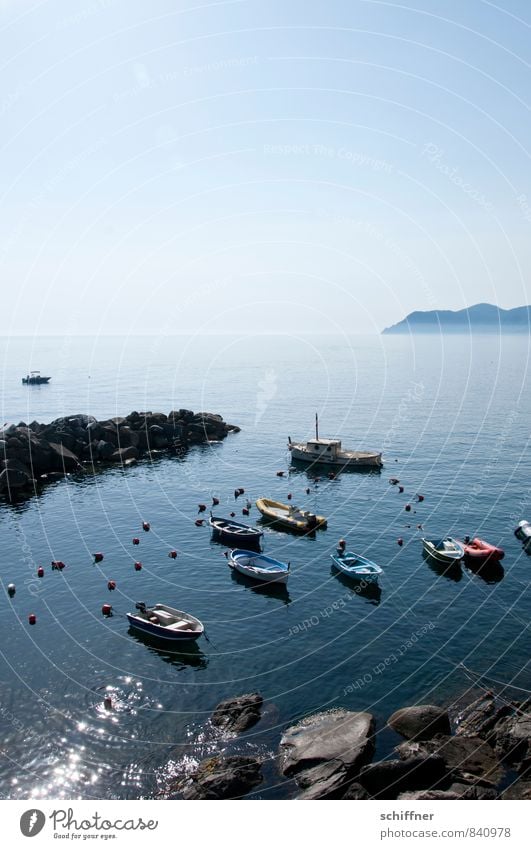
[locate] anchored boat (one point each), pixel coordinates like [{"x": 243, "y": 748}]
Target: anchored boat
[
  {"x": 330, "y": 453},
  {"x": 165, "y": 622},
  {"x": 234, "y": 533},
  {"x": 480, "y": 551},
  {"x": 447, "y": 550},
  {"x": 290, "y": 517},
  {"x": 35, "y": 377},
  {"x": 259, "y": 566},
  {"x": 356, "y": 566}
]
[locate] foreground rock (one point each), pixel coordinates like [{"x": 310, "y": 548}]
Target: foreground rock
[
  {"x": 326, "y": 751},
  {"x": 238, "y": 714},
  {"x": 420, "y": 722},
  {"x": 223, "y": 778},
  {"x": 467, "y": 759},
  {"x": 387, "y": 779},
  {"x": 31, "y": 453}
]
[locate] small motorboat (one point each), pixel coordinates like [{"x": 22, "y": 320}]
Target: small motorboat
[
  {"x": 234, "y": 533},
  {"x": 35, "y": 378},
  {"x": 480, "y": 551},
  {"x": 447, "y": 550},
  {"x": 523, "y": 533},
  {"x": 290, "y": 517},
  {"x": 165, "y": 622},
  {"x": 356, "y": 566},
  {"x": 258, "y": 566}
]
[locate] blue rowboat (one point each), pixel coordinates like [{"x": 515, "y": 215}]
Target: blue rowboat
[
  {"x": 165, "y": 622},
  {"x": 258, "y": 566},
  {"x": 357, "y": 566}
]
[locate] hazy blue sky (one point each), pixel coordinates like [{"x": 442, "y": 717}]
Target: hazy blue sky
[{"x": 266, "y": 164}]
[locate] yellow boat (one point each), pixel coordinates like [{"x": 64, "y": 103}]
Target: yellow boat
[{"x": 289, "y": 516}]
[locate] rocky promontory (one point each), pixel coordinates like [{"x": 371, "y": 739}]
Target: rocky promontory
[
  {"x": 34, "y": 453},
  {"x": 482, "y": 752}
]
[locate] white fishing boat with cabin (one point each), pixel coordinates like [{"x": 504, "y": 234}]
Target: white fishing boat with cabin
[{"x": 331, "y": 453}]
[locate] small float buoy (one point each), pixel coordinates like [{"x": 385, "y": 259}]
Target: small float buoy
[
  {"x": 107, "y": 703},
  {"x": 245, "y": 511},
  {"x": 215, "y": 501},
  {"x": 199, "y": 522},
  {"x": 58, "y": 564},
  {"x": 289, "y": 496},
  {"x": 280, "y": 474},
  {"x": 241, "y": 490},
  {"x": 248, "y": 504},
  {"x": 420, "y": 498},
  {"x": 236, "y": 493},
  {"x": 393, "y": 481},
  {"x": 401, "y": 489},
  {"x": 400, "y": 541},
  {"x": 106, "y": 609},
  {"x": 136, "y": 541},
  {"x": 201, "y": 508},
  {"x": 32, "y": 619},
  {"x": 331, "y": 476},
  {"x": 342, "y": 544},
  {"x": 40, "y": 572},
  {"x": 407, "y": 508},
  {"x": 308, "y": 490},
  {"x": 98, "y": 557},
  {"x": 111, "y": 585},
  {"x": 419, "y": 527},
  {"x": 146, "y": 526},
  {"x": 11, "y": 590},
  {"x": 232, "y": 515},
  {"x": 138, "y": 565},
  {"x": 172, "y": 554}
]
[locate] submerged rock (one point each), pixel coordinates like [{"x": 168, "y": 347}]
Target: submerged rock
[
  {"x": 420, "y": 722},
  {"x": 223, "y": 778},
  {"x": 238, "y": 714}
]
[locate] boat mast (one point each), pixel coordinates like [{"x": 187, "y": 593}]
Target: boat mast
[{"x": 316, "y": 426}]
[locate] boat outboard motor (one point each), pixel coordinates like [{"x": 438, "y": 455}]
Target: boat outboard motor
[
  {"x": 312, "y": 521},
  {"x": 523, "y": 531},
  {"x": 141, "y": 606}
]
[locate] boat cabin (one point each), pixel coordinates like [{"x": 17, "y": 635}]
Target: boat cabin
[{"x": 325, "y": 449}]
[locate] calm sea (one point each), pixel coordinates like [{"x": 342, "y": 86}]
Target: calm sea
[{"x": 453, "y": 417}]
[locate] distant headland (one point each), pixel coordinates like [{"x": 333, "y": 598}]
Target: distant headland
[{"x": 480, "y": 317}]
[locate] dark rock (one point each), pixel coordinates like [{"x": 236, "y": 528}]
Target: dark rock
[
  {"x": 62, "y": 459},
  {"x": 518, "y": 790},
  {"x": 461, "y": 755},
  {"x": 420, "y": 722},
  {"x": 356, "y": 791},
  {"x": 327, "y": 750},
  {"x": 223, "y": 778},
  {"x": 513, "y": 739},
  {"x": 473, "y": 791},
  {"x": 239, "y": 713},
  {"x": 13, "y": 478},
  {"x": 123, "y": 454},
  {"x": 386, "y": 779},
  {"x": 105, "y": 450}
]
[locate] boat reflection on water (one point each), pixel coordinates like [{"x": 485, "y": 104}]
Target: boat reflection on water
[
  {"x": 452, "y": 571},
  {"x": 371, "y": 591},
  {"x": 490, "y": 572},
  {"x": 272, "y": 590},
  {"x": 182, "y": 656}
]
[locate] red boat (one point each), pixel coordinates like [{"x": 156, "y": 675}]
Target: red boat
[{"x": 478, "y": 550}]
